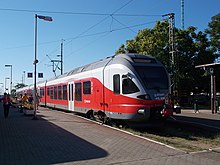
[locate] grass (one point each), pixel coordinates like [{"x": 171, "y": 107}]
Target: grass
[{"x": 185, "y": 138}]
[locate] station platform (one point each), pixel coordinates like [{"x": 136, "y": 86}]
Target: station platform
[
  {"x": 64, "y": 138},
  {"x": 203, "y": 118}
]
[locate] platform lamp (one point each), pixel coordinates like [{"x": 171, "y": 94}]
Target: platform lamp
[
  {"x": 11, "y": 77},
  {"x": 46, "y": 18}
]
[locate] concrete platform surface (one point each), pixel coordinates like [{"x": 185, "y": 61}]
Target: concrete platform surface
[{"x": 63, "y": 138}]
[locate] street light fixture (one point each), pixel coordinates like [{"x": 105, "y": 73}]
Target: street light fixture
[
  {"x": 46, "y": 18},
  {"x": 11, "y": 76}
]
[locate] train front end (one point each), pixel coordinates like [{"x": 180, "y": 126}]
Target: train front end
[
  {"x": 155, "y": 81},
  {"x": 145, "y": 89}
]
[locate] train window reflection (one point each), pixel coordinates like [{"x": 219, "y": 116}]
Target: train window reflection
[
  {"x": 60, "y": 92},
  {"x": 41, "y": 91},
  {"x": 64, "y": 92},
  {"x": 87, "y": 87},
  {"x": 128, "y": 86},
  {"x": 153, "y": 77},
  {"x": 55, "y": 93},
  {"x": 78, "y": 91},
  {"x": 51, "y": 92},
  {"x": 116, "y": 84}
]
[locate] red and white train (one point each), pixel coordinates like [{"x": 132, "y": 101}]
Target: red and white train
[{"x": 126, "y": 87}]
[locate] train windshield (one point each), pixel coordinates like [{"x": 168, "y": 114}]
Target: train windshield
[{"x": 153, "y": 77}]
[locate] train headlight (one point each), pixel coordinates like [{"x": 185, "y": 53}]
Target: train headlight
[{"x": 141, "y": 111}]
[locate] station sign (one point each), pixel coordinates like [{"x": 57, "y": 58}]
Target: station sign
[{"x": 30, "y": 75}]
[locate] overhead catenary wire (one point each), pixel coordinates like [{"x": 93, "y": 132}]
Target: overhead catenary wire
[
  {"x": 85, "y": 32},
  {"x": 124, "y": 25},
  {"x": 96, "y": 24},
  {"x": 78, "y": 13},
  {"x": 119, "y": 27},
  {"x": 105, "y": 33},
  {"x": 82, "y": 36}
]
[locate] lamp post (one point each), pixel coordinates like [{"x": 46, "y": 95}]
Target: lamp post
[
  {"x": 11, "y": 77},
  {"x": 2, "y": 87},
  {"x": 23, "y": 78},
  {"x": 6, "y": 78},
  {"x": 46, "y": 18}
]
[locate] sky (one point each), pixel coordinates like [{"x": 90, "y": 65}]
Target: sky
[{"x": 89, "y": 29}]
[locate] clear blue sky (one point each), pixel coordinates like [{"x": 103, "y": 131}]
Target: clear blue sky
[{"x": 84, "y": 42}]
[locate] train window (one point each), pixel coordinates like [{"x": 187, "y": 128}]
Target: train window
[
  {"x": 128, "y": 86},
  {"x": 48, "y": 91},
  {"x": 60, "y": 92},
  {"x": 144, "y": 60},
  {"x": 153, "y": 77},
  {"x": 55, "y": 93},
  {"x": 78, "y": 91},
  {"x": 51, "y": 92},
  {"x": 64, "y": 92},
  {"x": 87, "y": 87},
  {"x": 116, "y": 84},
  {"x": 41, "y": 91}
]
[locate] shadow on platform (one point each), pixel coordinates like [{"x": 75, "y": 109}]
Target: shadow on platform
[{"x": 27, "y": 141}]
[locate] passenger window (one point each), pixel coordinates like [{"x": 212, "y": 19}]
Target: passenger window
[
  {"x": 116, "y": 84},
  {"x": 51, "y": 92},
  {"x": 60, "y": 92},
  {"x": 55, "y": 93},
  {"x": 64, "y": 92},
  {"x": 87, "y": 87},
  {"x": 41, "y": 91},
  {"x": 128, "y": 86},
  {"x": 78, "y": 91},
  {"x": 48, "y": 91}
]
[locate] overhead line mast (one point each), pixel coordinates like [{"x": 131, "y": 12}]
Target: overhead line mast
[
  {"x": 182, "y": 14},
  {"x": 172, "y": 51}
]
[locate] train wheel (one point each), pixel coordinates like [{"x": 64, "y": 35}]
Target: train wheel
[{"x": 90, "y": 115}]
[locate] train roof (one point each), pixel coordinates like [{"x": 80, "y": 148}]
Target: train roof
[{"x": 103, "y": 62}]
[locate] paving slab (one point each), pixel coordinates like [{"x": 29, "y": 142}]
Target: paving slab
[{"x": 64, "y": 138}]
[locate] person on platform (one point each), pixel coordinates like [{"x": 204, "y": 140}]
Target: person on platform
[
  {"x": 30, "y": 99},
  {"x": 6, "y": 104},
  {"x": 37, "y": 100},
  {"x": 24, "y": 99}
]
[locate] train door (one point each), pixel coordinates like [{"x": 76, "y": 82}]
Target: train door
[
  {"x": 70, "y": 96},
  {"x": 106, "y": 93}
]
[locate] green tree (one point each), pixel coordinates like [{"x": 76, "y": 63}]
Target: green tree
[
  {"x": 20, "y": 85},
  {"x": 192, "y": 48},
  {"x": 213, "y": 31},
  {"x": 150, "y": 42},
  {"x": 121, "y": 49},
  {"x": 17, "y": 86}
]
